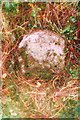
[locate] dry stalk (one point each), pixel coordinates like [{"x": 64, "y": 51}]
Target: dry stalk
[
  {"x": 36, "y": 93},
  {"x": 57, "y": 7},
  {"x": 23, "y": 92},
  {"x": 4, "y": 23},
  {"x": 65, "y": 91},
  {"x": 36, "y": 102},
  {"x": 47, "y": 11},
  {"x": 59, "y": 110},
  {"x": 3, "y": 59},
  {"x": 56, "y": 27},
  {"x": 54, "y": 81},
  {"x": 10, "y": 32},
  {"x": 54, "y": 11},
  {"x": 21, "y": 27},
  {"x": 4, "y": 52}
]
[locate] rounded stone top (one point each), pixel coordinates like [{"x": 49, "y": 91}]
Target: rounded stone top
[{"x": 42, "y": 49}]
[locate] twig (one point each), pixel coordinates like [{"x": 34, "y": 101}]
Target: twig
[
  {"x": 36, "y": 93},
  {"x": 54, "y": 81},
  {"x": 9, "y": 32},
  {"x": 21, "y": 27},
  {"x": 3, "y": 59},
  {"x": 36, "y": 102},
  {"x": 58, "y": 111},
  {"x": 54, "y": 11}
]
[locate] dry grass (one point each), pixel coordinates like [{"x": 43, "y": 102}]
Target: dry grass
[
  {"x": 41, "y": 98},
  {"x": 36, "y": 98}
]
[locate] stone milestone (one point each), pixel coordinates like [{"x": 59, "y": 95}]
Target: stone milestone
[{"x": 40, "y": 51}]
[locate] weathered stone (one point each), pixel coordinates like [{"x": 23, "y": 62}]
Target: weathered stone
[{"x": 40, "y": 50}]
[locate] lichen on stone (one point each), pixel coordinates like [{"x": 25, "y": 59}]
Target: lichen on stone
[{"x": 40, "y": 51}]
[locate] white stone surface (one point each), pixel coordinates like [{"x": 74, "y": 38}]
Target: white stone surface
[{"x": 44, "y": 46}]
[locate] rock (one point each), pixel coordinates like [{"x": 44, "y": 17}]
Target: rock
[{"x": 40, "y": 51}]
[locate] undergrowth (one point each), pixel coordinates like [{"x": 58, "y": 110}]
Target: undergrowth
[{"x": 56, "y": 97}]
